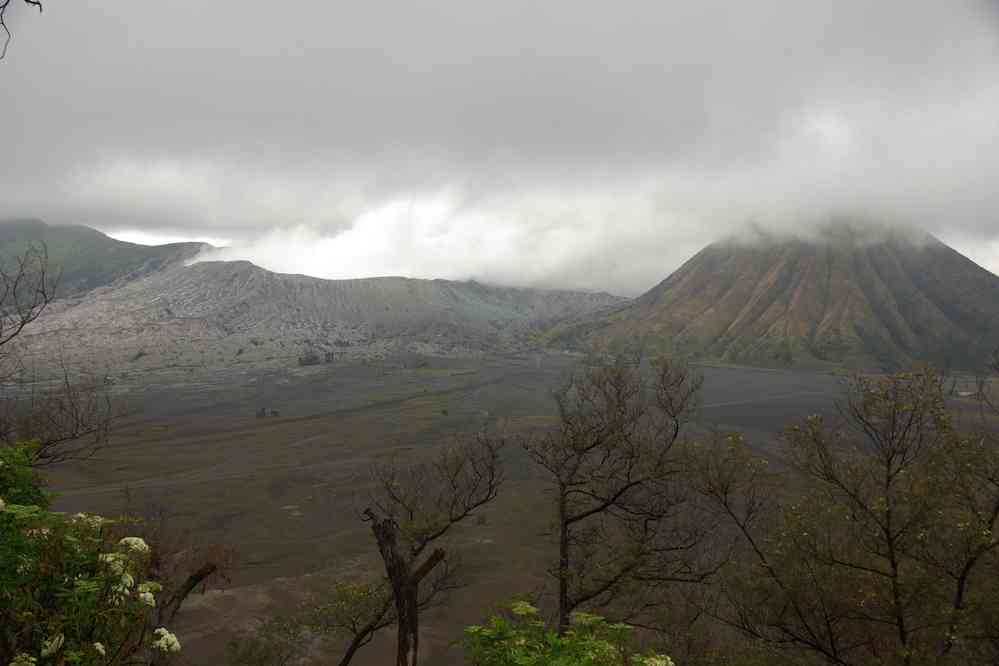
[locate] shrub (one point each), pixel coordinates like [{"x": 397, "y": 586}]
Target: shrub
[
  {"x": 522, "y": 639},
  {"x": 70, "y": 591},
  {"x": 309, "y": 358}
]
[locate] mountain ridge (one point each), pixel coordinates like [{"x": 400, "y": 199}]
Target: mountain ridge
[
  {"x": 160, "y": 309},
  {"x": 846, "y": 296}
]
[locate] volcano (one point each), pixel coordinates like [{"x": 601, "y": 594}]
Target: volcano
[{"x": 844, "y": 297}]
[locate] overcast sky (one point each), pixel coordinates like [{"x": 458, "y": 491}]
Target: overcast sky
[{"x": 562, "y": 143}]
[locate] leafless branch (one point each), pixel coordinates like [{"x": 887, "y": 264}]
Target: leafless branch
[
  {"x": 69, "y": 417},
  {"x": 26, "y": 289},
  {"x": 4, "y": 4},
  {"x": 626, "y": 514}
]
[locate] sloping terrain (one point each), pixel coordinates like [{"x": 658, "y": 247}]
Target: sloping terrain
[
  {"x": 222, "y": 313},
  {"x": 84, "y": 258},
  {"x": 849, "y": 297}
]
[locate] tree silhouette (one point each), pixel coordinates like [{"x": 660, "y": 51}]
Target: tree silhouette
[
  {"x": 4, "y": 4},
  {"x": 885, "y": 548},
  {"x": 628, "y": 520}
]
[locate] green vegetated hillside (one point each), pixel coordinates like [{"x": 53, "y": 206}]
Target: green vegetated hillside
[
  {"x": 84, "y": 258},
  {"x": 846, "y": 297}
]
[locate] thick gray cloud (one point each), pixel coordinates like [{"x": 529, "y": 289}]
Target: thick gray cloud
[{"x": 565, "y": 143}]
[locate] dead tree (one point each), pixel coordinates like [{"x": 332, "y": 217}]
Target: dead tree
[
  {"x": 625, "y": 520},
  {"x": 26, "y": 287},
  {"x": 4, "y": 4},
  {"x": 69, "y": 417},
  {"x": 414, "y": 509}
]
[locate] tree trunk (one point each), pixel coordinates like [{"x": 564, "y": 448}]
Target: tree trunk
[
  {"x": 408, "y": 641},
  {"x": 405, "y": 585},
  {"x": 563, "y": 565},
  {"x": 360, "y": 640},
  {"x": 352, "y": 649}
]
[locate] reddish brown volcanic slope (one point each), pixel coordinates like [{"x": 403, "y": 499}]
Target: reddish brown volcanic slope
[{"x": 848, "y": 297}]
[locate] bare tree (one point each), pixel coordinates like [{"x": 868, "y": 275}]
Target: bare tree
[
  {"x": 415, "y": 507},
  {"x": 68, "y": 416},
  {"x": 4, "y": 4},
  {"x": 26, "y": 286},
  {"x": 627, "y": 519}
]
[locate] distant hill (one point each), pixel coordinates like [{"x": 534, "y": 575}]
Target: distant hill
[
  {"x": 159, "y": 312},
  {"x": 84, "y": 258},
  {"x": 848, "y": 297}
]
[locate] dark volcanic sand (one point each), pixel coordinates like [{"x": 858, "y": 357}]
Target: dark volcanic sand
[{"x": 286, "y": 492}]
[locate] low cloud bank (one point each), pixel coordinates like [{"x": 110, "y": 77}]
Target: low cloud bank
[{"x": 567, "y": 145}]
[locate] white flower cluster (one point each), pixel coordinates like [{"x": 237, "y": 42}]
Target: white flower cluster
[
  {"x": 100, "y": 649},
  {"x": 581, "y": 619},
  {"x": 92, "y": 521},
  {"x": 134, "y": 544},
  {"x": 654, "y": 660},
  {"x": 123, "y": 586},
  {"x": 165, "y": 641},
  {"x": 523, "y": 608},
  {"x": 117, "y": 563}
]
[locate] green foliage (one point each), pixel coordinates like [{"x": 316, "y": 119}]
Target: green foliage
[
  {"x": 522, "y": 639},
  {"x": 19, "y": 484},
  {"x": 351, "y": 610},
  {"x": 347, "y": 607},
  {"x": 71, "y": 592},
  {"x": 278, "y": 641},
  {"x": 884, "y": 534}
]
